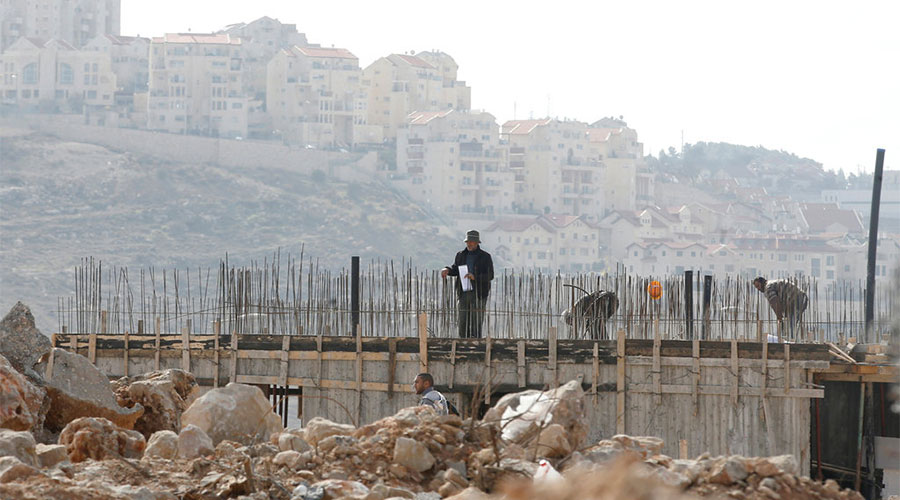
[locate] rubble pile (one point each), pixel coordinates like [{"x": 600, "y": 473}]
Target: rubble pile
[{"x": 167, "y": 444}]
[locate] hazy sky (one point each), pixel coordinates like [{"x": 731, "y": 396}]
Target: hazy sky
[{"x": 820, "y": 79}]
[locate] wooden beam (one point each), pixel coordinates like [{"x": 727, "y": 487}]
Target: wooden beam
[
  {"x": 156, "y": 329},
  {"x": 125, "y": 355},
  {"x": 423, "y": 342},
  {"x": 92, "y": 348},
  {"x": 656, "y": 366},
  {"x": 285, "y": 355},
  {"x": 521, "y": 377},
  {"x": 787, "y": 368},
  {"x": 234, "y": 356},
  {"x": 719, "y": 390},
  {"x": 552, "y": 361},
  {"x": 392, "y": 366},
  {"x": 359, "y": 372},
  {"x": 217, "y": 330},
  {"x": 487, "y": 370},
  {"x": 596, "y": 367},
  {"x": 620, "y": 382},
  {"x": 452, "y": 363},
  {"x": 695, "y": 392},
  {"x": 186, "y": 347},
  {"x": 735, "y": 372}
]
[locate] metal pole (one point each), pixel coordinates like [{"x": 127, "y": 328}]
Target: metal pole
[
  {"x": 354, "y": 292},
  {"x": 873, "y": 244},
  {"x": 689, "y": 303}
]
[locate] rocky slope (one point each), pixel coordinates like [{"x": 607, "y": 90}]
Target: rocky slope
[{"x": 62, "y": 201}]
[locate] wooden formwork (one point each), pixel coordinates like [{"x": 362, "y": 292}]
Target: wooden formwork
[{"x": 724, "y": 397}]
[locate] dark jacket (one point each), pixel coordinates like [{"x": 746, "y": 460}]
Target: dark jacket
[{"x": 483, "y": 272}]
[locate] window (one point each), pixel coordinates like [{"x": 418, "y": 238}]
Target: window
[
  {"x": 829, "y": 274},
  {"x": 829, "y": 261},
  {"x": 30, "y": 73},
  {"x": 679, "y": 253},
  {"x": 562, "y": 251},
  {"x": 66, "y": 77}
]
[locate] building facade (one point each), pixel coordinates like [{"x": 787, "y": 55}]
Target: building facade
[
  {"x": 196, "y": 85},
  {"x": 72, "y": 21},
  {"x": 549, "y": 242}
]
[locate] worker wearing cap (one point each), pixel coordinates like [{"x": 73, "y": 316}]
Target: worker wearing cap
[{"x": 479, "y": 273}]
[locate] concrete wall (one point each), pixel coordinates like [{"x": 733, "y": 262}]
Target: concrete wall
[{"x": 193, "y": 149}]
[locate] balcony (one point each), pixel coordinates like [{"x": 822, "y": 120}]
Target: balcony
[
  {"x": 516, "y": 151},
  {"x": 415, "y": 140},
  {"x": 415, "y": 155},
  {"x": 516, "y": 164},
  {"x": 520, "y": 178},
  {"x": 415, "y": 170}
]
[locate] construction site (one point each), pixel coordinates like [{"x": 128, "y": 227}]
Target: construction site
[{"x": 704, "y": 368}]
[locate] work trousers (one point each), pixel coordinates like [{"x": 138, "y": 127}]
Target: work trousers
[{"x": 471, "y": 315}]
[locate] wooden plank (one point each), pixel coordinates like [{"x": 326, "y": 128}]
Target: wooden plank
[
  {"x": 104, "y": 322},
  {"x": 92, "y": 348},
  {"x": 487, "y": 370},
  {"x": 156, "y": 329},
  {"x": 520, "y": 363},
  {"x": 596, "y": 380},
  {"x": 328, "y": 356},
  {"x": 74, "y": 344},
  {"x": 695, "y": 380},
  {"x": 359, "y": 371},
  {"x": 186, "y": 347},
  {"x": 125, "y": 356},
  {"x": 787, "y": 368},
  {"x": 392, "y": 366},
  {"x": 620, "y": 382},
  {"x": 721, "y": 390},
  {"x": 656, "y": 366},
  {"x": 452, "y": 363},
  {"x": 683, "y": 449},
  {"x": 285, "y": 356},
  {"x": 552, "y": 361},
  {"x": 349, "y": 385},
  {"x": 217, "y": 330},
  {"x": 423, "y": 342},
  {"x": 735, "y": 373},
  {"x": 319, "y": 355},
  {"x": 234, "y": 357}
]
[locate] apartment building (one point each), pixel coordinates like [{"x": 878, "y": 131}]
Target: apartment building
[
  {"x": 54, "y": 76},
  {"x": 627, "y": 184},
  {"x": 314, "y": 96},
  {"x": 400, "y": 84},
  {"x": 72, "y": 21},
  {"x": 453, "y": 161},
  {"x": 555, "y": 169},
  {"x": 196, "y": 85},
  {"x": 549, "y": 242},
  {"x": 129, "y": 57}
]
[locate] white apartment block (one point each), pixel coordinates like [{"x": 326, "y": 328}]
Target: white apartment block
[
  {"x": 130, "y": 59},
  {"x": 549, "y": 242},
  {"x": 453, "y": 161},
  {"x": 314, "y": 96},
  {"x": 555, "y": 169},
  {"x": 196, "y": 85},
  {"x": 627, "y": 185},
  {"x": 400, "y": 84},
  {"x": 72, "y": 21},
  {"x": 54, "y": 76}
]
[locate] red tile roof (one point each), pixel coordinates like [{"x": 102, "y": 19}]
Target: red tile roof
[
  {"x": 601, "y": 134},
  {"x": 325, "y": 52},
  {"x": 414, "y": 61},
  {"x": 202, "y": 38},
  {"x": 423, "y": 117},
  {"x": 819, "y": 216},
  {"x": 523, "y": 127},
  {"x": 519, "y": 224}
]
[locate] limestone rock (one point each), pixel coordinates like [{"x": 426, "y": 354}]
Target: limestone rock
[
  {"x": 786, "y": 464},
  {"x": 22, "y": 404},
  {"x": 236, "y": 412},
  {"x": 552, "y": 442},
  {"x": 193, "y": 443},
  {"x": 292, "y": 459},
  {"x": 11, "y": 469},
  {"x": 50, "y": 454},
  {"x": 22, "y": 343},
  {"x": 320, "y": 428},
  {"x": 78, "y": 389},
  {"x": 521, "y": 416},
  {"x": 449, "y": 489},
  {"x": 470, "y": 493},
  {"x": 338, "y": 445},
  {"x": 289, "y": 441},
  {"x": 163, "y": 444},
  {"x": 18, "y": 444},
  {"x": 412, "y": 455},
  {"x": 164, "y": 395},
  {"x": 340, "y": 488},
  {"x": 99, "y": 439}
]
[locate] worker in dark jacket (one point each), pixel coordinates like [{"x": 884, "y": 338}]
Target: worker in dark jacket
[{"x": 474, "y": 286}]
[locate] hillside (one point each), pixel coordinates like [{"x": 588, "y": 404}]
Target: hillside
[
  {"x": 62, "y": 201},
  {"x": 780, "y": 172}
]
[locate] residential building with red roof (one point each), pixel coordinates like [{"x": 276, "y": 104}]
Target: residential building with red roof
[
  {"x": 400, "y": 84},
  {"x": 314, "y": 97},
  {"x": 551, "y": 242}
]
